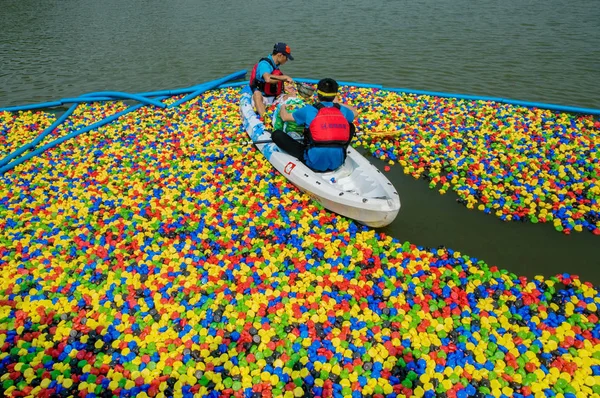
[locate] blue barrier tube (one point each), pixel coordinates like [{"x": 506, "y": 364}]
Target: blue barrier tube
[
  {"x": 169, "y": 93},
  {"x": 85, "y": 99},
  {"x": 39, "y": 138},
  {"x": 234, "y": 76},
  {"x": 92, "y": 97},
  {"x": 67, "y": 137},
  {"x": 118, "y": 94},
  {"x": 310, "y": 81},
  {"x": 440, "y": 94},
  {"x": 236, "y": 84},
  {"x": 31, "y": 106},
  {"x": 53, "y": 104},
  {"x": 103, "y": 95},
  {"x": 360, "y": 85},
  {"x": 241, "y": 74},
  {"x": 560, "y": 108},
  {"x": 58, "y": 141},
  {"x": 207, "y": 86},
  {"x": 563, "y": 108},
  {"x": 199, "y": 89},
  {"x": 342, "y": 83}
]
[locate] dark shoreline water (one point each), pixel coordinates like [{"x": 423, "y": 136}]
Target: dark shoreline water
[
  {"x": 543, "y": 52},
  {"x": 429, "y": 219}
]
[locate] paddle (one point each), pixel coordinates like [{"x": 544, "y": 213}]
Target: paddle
[
  {"x": 279, "y": 79},
  {"x": 382, "y": 133},
  {"x": 244, "y": 143},
  {"x": 262, "y": 142},
  {"x": 356, "y": 135},
  {"x": 301, "y": 86}
]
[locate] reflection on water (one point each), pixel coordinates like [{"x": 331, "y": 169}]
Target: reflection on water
[
  {"x": 549, "y": 52},
  {"x": 431, "y": 220}
]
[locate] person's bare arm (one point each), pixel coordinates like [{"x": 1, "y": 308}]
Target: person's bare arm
[
  {"x": 353, "y": 109},
  {"x": 269, "y": 78},
  {"x": 285, "y": 115}
]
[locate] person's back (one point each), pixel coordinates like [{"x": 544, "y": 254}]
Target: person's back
[
  {"x": 328, "y": 135},
  {"x": 328, "y": 129}
]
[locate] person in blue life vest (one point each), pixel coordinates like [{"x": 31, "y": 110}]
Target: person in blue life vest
[
  {"x": 266, "y": 79},
  {"x": 328, "y": 130}
]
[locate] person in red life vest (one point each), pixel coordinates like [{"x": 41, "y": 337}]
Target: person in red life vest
[
  {"x": 266, "y": 79},
  {"x": 328, "y": 130}
]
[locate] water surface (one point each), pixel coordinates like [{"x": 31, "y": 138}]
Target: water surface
[{"x": 547, "y": 51}]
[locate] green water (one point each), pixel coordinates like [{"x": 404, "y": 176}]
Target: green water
[
  {"x": 543, "y": 51},
  {"x": 546, "y": 51},
  {"x": 430, "y": 219}
]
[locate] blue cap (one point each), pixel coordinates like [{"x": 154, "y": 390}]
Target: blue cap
[{"x": 284, "y": 49}]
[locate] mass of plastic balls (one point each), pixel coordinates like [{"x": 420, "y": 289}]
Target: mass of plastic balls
[
  {"x": 517, "y": 163},
  {"x": 160, "y": 255}
]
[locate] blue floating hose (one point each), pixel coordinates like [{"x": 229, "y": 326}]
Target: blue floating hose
[
  {"x": 118, "y": 94},
  {"x": 242, "y": 73},
  {"x": 207, "y": 86},
  {"x": 106, "y": 95},
  {"x": 541, "y": 105},
  {"x": 39, "y": 138},
  {"x": 341, "y": 83},
  {"x": 85, "y": 99},
  {"x": 221, "y": 83},
  {"x": 142, "y": 97},
  {"x": 236, "y": 84},
  {"x": 67, "y": 137},
  {"x": 54, "y": 104},
  {"x": 560, "y": 108},
  {"x": 31, "y": 106}
]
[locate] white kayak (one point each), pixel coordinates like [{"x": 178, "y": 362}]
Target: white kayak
[{"x": 357, "y": 190}]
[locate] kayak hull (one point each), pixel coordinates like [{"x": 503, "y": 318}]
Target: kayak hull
[{"x": 357, "y": 190}]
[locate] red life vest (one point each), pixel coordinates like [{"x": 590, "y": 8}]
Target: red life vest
[
  {"x": 329, "y": 127},
  {"x": 271, "y": 89}
]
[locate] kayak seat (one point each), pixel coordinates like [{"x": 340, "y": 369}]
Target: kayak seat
[{"x": 357, "y": 182}]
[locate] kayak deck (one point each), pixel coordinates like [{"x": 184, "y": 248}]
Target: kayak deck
[{"x": 357, "y": 189}]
